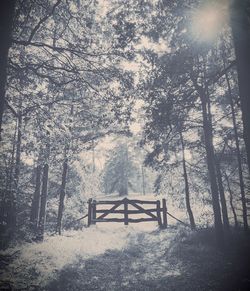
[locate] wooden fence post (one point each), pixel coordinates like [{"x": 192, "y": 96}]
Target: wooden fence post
[
  {"x": 164, "y": 213},
  {"x": 158, "y": 210},
  {"x": 125, "y": 211},
  {"x": 94, "y": 211},
  {"x": 89, "y": 211}
]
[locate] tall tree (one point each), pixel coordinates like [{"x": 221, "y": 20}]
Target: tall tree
[
  {"x": 44, "y": 189},
  {"x": 43, "y": 203},
  {"x": 62, "y": 196},
  {"x": 222, "y": 196},
  {"x": 231, "y": 201},
  {"x": 187, "y": 192},
  {"x": 119, "y": 170},
  {"x": 240, "y": 23},
  {"x": 6, "y": 22},
  {"x": 202, "y": 90},
  {"x": 240, "y": 170},
  {"x": 35, "y": 206}
]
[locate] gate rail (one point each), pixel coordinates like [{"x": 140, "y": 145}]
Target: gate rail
[{"x": 155, "y": 213}]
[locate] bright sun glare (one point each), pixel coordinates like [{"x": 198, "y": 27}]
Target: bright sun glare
[{"x": 207, "y": 22}]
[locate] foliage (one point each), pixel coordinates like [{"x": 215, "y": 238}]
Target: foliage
[{"x": 119, "y": 171}]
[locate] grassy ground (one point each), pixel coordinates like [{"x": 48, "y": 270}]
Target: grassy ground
[{"x": 187, "y": 261}]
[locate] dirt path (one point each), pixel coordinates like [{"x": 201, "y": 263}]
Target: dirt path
[
  {"x": 162, "y": 260},
  {"x": 140, "y": 266},
  {"x": 171, "y": 259}
]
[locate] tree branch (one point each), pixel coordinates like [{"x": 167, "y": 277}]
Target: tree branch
[
  {"x": 11, "y": 108},
  {"x": 42, "y": 21},
  {"x": 218, "y": 75}
]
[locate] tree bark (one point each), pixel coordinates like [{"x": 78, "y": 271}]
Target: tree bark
[
  {"x": 242, "y": 187},
  {"x": 231, "y": 202},
  {"x": 222, "y": 197},
  {"x": 62, "y": 196},
  {"x": 34, "y": 215},
  {"x": 6, "y": 19},
  {"x": 10, "y": 195},
  {"x": 44, "y": 192},
  {"x": 210, "y": 156},
  {"x": 17, "y": 166},
  {"x": 240, "y": 24},
  {"x": 18, "y": 149},
  {"x": 187, "y": 192}
]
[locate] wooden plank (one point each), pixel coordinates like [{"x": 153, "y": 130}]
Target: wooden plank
[
  {"x": 109, "y": 220},
  {"x": 158, "y": 206},
  {"x": 133, "y": 220},
  {"x": 89, "y": 211},
  {"x": 164, "y": 212},
  {"x": 110, "y": 210},
  {"x": 141, "y": 201},
  {"x": 130, "y": 211},
  {"x": 108, "y": 202},
  {"x": 93, "y": 211},
  {"x": 142, "y": 209},
  {"x": 125, "y": 212}
]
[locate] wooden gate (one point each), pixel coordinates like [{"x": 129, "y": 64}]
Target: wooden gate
[{"x": 156, "y": 212}]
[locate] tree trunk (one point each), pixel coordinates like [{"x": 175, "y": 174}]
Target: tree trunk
[
  {"x": 7, "y": 223},
  {"x": 240, "y": 29},
  {"x": 124, "y": 184},
  {"x": 187, "y": 193},
  {"x": 222, "y": 197},
  {"x": 231, "y": 202},
  {"x": 62, "y": 196},
  {"x": 17, "y": 166},
  {"x": 34, "y": 215},
  {"x": 18, "y": 149},
  {"x": 123, "y": 191},
  {"x": 208, "y": 136},
  {"x": 6, "y": 19},
  {"x": 42, "y": 216},
  {"x": 242, "y": 187},
  {"x": 10, "y": 195},
  {"x": 143, "y": 180}
]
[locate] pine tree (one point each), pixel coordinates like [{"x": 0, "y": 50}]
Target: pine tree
[{"x": 119, "y": 170}]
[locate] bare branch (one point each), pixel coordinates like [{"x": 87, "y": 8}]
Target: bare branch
[
  {"x": 13, "y": 111},
  {"x": 42, "y": 21}
]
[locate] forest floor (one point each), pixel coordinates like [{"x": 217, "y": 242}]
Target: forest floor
[{"x": 131, "y": 259}]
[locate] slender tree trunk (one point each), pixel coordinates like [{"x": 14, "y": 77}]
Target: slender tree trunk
[
  {"x": 92, "y": 186},
  {"x": 231, "y": 202},
  {"x": 222, "y": 197},
  {"x": 124, "y": 187},
  {"x": 44, "y": 192},
  {"x": 8, "y": 198},
  {"x": 242, "y": 187},
  {"x": 17, "y": 166},
  {"x": 34, "y": 215},
  {"x": 208, "y": 136},
  {"x": 143, "y": 180},
  {"x": 187, "y": 193},
  {"x": 18, "y": 149},
  {"x": 240, "y": 28},
  {"x": 6, "y": 18},
  {"x": 62, "y": 196},
  {"x": 11, "y": 187}
]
